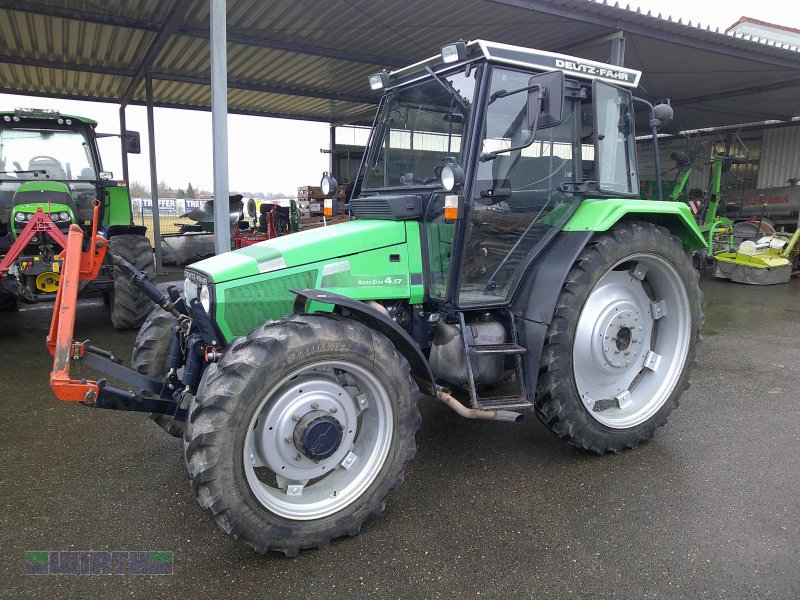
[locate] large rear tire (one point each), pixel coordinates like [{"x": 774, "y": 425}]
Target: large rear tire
[
  {"x": 150, "y": 355},
  {"x": 621, "y": 344},
  {"x": 129, "y": 306},
  {"x": 300, "y": 432}
]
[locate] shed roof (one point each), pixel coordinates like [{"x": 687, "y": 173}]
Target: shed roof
[{"x": 310, "y": 59}]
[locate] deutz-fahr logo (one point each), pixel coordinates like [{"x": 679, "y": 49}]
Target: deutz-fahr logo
[
  {"x": 577, "y": 67},
  {"x": 387, "y": 281}
]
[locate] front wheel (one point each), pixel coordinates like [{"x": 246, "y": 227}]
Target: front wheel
[
  {"x": 621, "y": 344},
  {"x": 299, "y": 433},
  {"x": 150, "y": 357}
]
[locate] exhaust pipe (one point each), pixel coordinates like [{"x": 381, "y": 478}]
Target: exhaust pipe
[{"x": 469, "y": 413}]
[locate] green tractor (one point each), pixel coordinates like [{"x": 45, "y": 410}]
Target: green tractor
[
  {"x": 50, "y": 173},
  {"x": 498, "y": 261}
]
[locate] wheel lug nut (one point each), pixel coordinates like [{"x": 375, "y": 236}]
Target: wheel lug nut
[
  {"x": 333, "y": 409},
  {"x": 295, "y": 418},
  {"x": 315, "y": 405},
  {"x": 287, "y": 439},
  {"x": 297, "y": 456}
]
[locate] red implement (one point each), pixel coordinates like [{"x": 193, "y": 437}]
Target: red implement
[
  {"x": 78, "y": 266},
  {"x": 40, "y": 222}
]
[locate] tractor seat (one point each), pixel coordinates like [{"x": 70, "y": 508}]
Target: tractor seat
[{"x": 49, "y": 165}]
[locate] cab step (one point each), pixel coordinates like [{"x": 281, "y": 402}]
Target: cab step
[
  {"x": 518, "y": 397},
  {"x": 504, "y": 403},
  {"x": 496, "y": 349}
]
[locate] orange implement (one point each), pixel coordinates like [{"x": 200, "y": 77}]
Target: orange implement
[{"x": 78, "y": 266}]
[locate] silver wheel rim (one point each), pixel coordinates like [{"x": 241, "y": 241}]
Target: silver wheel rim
[
  {"x": 631, "y": 341},
  {"x": 285, "y": 480}
]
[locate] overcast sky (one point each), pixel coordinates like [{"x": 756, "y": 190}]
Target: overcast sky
[{"x": 273, "y": 155}]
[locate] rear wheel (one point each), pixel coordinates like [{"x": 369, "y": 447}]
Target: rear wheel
[
  {"x": 622, "y": 341},
  {"x": 150, "y": 355},
  {"x": 129, "y": 306},
  {"x": 299, "y": 433}
]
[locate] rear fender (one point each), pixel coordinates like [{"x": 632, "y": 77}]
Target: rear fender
[{"x": 601, "y": 215}]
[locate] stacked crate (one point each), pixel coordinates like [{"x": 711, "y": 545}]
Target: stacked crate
[{"x": 309, "y": 200}]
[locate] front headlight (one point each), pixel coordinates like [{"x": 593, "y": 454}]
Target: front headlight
[
  {"x": 205, "y": 299},
  {"x": 196, "y": 285},
  {"x": 63, "y": 216},
  {"x": 21, "y": 217},
  {"x": 189, "y": 290}
]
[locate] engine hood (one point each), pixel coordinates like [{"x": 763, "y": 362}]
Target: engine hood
[{"x": 301, "y": 248}]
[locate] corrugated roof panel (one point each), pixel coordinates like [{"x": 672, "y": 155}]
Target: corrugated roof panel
[{"x": 308, "y": 48}]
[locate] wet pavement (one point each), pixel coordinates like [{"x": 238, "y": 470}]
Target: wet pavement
[{"x": 709, "y": 508}]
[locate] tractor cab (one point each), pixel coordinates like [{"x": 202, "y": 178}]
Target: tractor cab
[
  {"x": 46, "y": 160},
  {"x": 494, "y": 147}
]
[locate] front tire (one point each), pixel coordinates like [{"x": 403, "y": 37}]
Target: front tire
[
  {"x": 622, "y": 341},
  {"x": 300, "y": 432},
  {"x": 150, "y": 356},
  {"x": 129, "y": 306}
]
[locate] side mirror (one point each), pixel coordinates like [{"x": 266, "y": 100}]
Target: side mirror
[
  {"x": 549, "y": 111},
  {"x": 131, "y": 142}
]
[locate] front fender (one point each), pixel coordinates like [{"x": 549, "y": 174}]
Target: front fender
[
  {"x": 601, "y": 215},
  {"x": 379, "y": 322}
]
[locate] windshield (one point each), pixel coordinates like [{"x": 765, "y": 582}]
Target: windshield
[
  {"x": 44, "y": 152},
  {"x": 418, "y": 127}
]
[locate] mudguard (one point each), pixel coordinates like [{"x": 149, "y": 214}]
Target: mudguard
[
  {"x": 601, "y": 215},
  {"x": 375, "y": 320}
]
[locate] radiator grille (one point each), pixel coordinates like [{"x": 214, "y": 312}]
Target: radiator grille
[{"x": 249, "y": 305}]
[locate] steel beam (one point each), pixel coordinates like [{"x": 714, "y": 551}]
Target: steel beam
[
  {"x": 171, "y": 23},
  {"x": 161, "y": 76},
  {"x": 98, "y": 17},
  {"x": 249, "y": 40},
  {"x": 262, "y": 41},
  {"x": 614, "y": 23},
  {"x": 219, "y": 124},
  {"x": 151, "y": 134}
]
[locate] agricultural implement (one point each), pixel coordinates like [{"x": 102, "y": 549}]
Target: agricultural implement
[
  {"x": 50, "y": 174},
  {"x": 501, "y": 264}
]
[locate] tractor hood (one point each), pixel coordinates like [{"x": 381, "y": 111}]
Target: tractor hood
[{"x": 302, "y": 248}]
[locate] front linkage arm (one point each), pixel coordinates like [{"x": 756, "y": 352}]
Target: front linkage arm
[{"x": 193, "y": 345}]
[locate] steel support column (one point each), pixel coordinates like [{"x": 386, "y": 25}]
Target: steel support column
[
  {"x": 151, "y": 134},
  {"x": 122, "y": 128},
  {"x": 219, "y": 124},
  {"x": 332, "y": 146},
  {"x": 618, "y": 50}
]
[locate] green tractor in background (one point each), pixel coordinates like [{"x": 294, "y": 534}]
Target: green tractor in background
[
  {"x": 499, "y": 261},
  {"x": 50, "y": 165}
]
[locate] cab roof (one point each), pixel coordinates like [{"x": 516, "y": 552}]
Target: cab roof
[
  {"x": 520, "y": 56},
  {"x": 41, "y": 113}
]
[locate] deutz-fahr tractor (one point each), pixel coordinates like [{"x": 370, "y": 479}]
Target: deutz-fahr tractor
[
  {"x": 498, "y": 261},
  {"x": 50, "y": 174}
]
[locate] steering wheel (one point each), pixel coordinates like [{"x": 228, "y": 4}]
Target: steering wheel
[{"x": 44, "y": 156}]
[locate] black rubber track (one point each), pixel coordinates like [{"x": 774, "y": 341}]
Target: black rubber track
[
  {"x": 231, "y": 391},
  {"x": 150, "y": 353},
  {"x": 558, "y": 404},
  {"x": 129, "y": 306}
]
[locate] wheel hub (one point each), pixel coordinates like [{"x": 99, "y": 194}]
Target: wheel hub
[
  {"x": 620, "y": 344},
  {"x": 318, "y": 435}
]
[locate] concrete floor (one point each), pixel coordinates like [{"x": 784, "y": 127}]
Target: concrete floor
[{"x": 709, "y": 508}]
